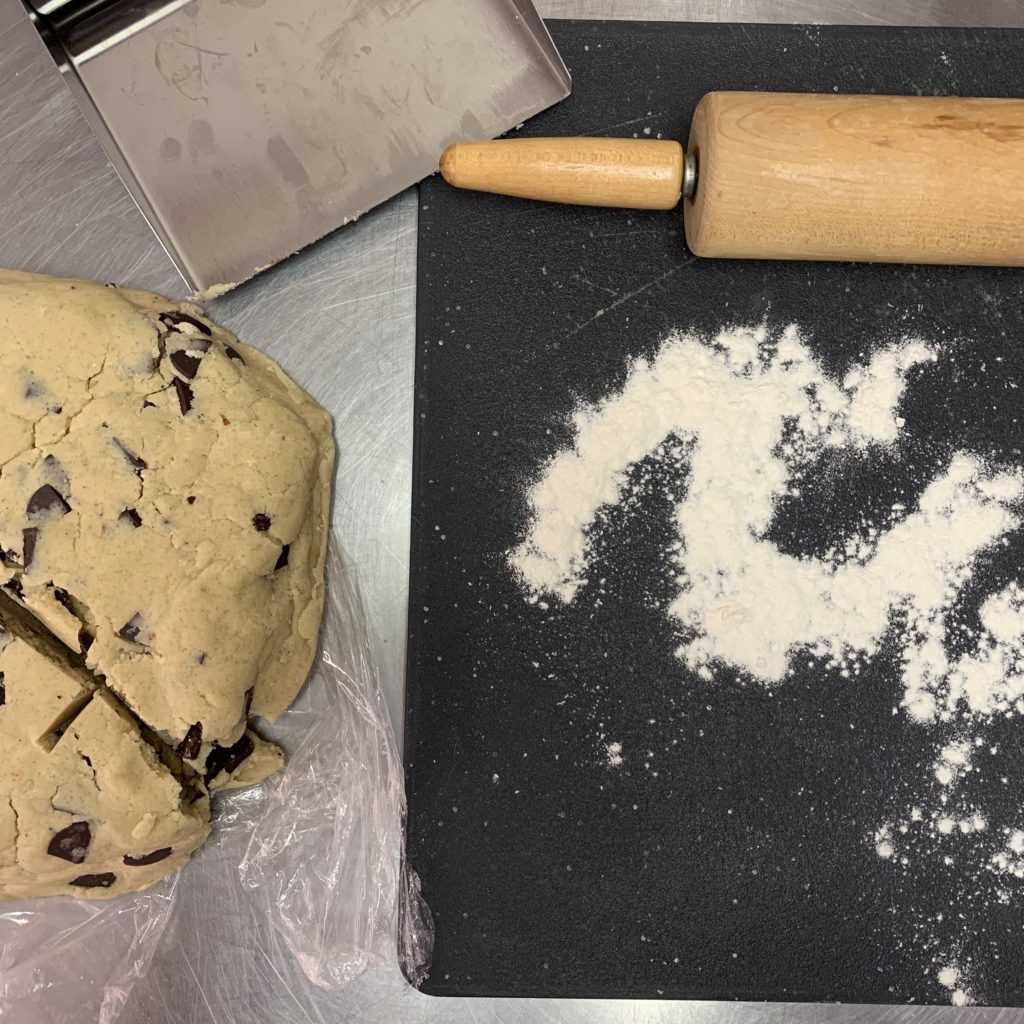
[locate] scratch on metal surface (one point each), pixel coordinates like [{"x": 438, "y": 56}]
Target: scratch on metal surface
[
  {"x": 199, "y": 987},
  {"x": 385, "y": 293}
]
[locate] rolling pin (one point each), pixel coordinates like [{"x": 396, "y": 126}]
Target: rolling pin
[{"x": 786, "y": 176}]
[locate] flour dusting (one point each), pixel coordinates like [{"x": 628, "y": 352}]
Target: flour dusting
[{"x": 749, "y": 418}]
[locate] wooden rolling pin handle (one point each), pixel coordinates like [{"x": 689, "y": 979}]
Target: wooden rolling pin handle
[{"x": 639, "y": 174}]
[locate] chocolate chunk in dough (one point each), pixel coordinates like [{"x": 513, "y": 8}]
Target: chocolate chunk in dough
[
  {"x": 148, "y": 858},
  {"x": 185, "y": 396},
  {"x": 130, "y": 515},
  {"x": 131, "y": 629},
  {"x": 261, "y": 521},
  {"x": 173, "y": 319},
  {"x": 71, "y": 843},
  {"x": 137, "y": 463},
  {"x": 187, "y": 365},
  {"x": 15, "y": 587},
  {"x": 3, "y": 691},
  {"x": 282, "y": 559},
  {"x": 104, "y": 880},
  {"x": 227, "y": 759},
  {"x": 29, "y": 538},
  {"x": 233, "y": 355},
  {"x": 248, "y": 701},
  {"x": 188, "y": 748},
  {"x": 47, "y": 499}
]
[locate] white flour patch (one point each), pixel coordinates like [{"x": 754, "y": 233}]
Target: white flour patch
[
  {"x": 752, "y": 416},
  {"x": 883, "y": 843},
  {"x": 953, "y": 761},
  {"x": 951, "y": 977},
  {"x": 746, "y": 420}
]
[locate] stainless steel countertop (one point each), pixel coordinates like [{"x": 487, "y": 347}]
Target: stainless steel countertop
[{"x": 340, "y": 319}]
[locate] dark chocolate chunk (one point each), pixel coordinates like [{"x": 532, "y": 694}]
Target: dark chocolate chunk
[
  {"x": 131, "y": 629},
  {"x": 188, "y": 748},
  {"x": 282, "y": 559},
  {"x": 261, "y": 521},
  {"x": 3, "y": 691},
  {"x": 129, "y": 515},
  {"x": 147, "y": 404},
  {"x": 137, "y": 463},
  {"x": 232, "y": 354},
  {"x": 248, "y": 701},
  {"x": 148, "y": 858},
  {"x": 85, "y": 639},
  {"x": 15, "y": 587},
  {"x": 187, "y": 365},
  {"x": 61, "y": 596},
  {"x": 47, "y": 499},
  {"x": 227, "y": 759},
  {"x": 104, "y": 880},
  {"x": 87, "y": 760},
  {"x": 191, "y": 499},
  {"x": 184, "y": 395},
  {"x": 71, "y": 843},
  {"x": 28, "y": 539},
  {"x": 173, "y": 319},
  {"x": 201, "y": 658}
]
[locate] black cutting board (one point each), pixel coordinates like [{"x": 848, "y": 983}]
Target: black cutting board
[{"x": 743, "y": 869}]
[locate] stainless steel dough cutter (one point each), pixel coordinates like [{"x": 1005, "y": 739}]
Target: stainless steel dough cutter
[{"x": 246, "y": 129}]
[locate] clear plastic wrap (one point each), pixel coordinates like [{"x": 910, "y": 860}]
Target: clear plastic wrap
[{"x": 303, "y": 871}]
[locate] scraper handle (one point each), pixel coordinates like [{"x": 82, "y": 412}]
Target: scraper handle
[{"x": 638, "y": 174}]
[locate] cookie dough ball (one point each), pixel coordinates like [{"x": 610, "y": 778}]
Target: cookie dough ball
[{"x": 164, "y": 503}]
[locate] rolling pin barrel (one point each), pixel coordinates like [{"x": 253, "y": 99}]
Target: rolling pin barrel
[
  {"x": 889, "y": 179},
  {"x": 867, "y": 178}
]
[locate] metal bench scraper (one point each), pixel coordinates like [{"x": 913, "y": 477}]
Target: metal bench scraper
[{"x": 246, "y": 129}]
